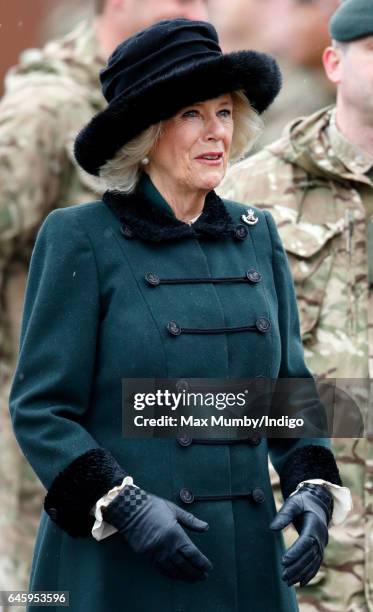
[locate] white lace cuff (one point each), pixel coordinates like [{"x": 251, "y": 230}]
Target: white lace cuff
[
  {"x": 100, "y": 529},
  {"x": 341, "y": 495}
]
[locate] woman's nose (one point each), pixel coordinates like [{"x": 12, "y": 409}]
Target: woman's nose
[{"x": 214, "y": 129}]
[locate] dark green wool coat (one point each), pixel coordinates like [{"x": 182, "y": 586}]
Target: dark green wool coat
[{"x": 93, "y": 317}]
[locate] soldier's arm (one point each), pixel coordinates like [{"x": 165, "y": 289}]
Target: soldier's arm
[
  {"x": 267, "y": 181},
  {"x": 297, "y": 459},
  {"x": 35, "y": 120}
]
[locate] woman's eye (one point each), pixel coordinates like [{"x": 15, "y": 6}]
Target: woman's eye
[
  {"x": 191, "y": 113},
  {"x": 226, "y": 112}
]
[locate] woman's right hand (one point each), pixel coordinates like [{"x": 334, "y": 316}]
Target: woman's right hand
[{"x": 152, "y": 527}]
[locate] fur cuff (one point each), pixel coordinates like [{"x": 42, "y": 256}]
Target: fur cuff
[
  {"x": 311, "y": 461},
  {"x": 76, "y": 489}
]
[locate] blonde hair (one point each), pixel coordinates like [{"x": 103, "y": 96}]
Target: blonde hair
[{"x": 122, "y": 172}]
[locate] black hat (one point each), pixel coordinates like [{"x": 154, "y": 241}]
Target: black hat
[
  {"x": 352, "y": 20},
  {"x": 160, "y": 70}
]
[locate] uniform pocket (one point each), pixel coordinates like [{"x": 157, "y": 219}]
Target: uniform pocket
[{"x": 311, "y": 251}]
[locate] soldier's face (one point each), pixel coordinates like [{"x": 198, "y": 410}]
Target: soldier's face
[
  {"x": 351, "y": 69},
  {"x": 193, "y": 150},
  {"x": 139, "y": 14}
]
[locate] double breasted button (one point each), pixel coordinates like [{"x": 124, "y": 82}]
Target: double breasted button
[
  {"x": 254, "y": 440},
  {"x": 258, "y": 496},
  {"x": 182, "y": 385},
  {"x": 53, "y": 513},
  {"x": 184, "y": 440},
  {"x": 240, "y": 232},
  {"x": 254, "y": 276},
  {"x": 263, "y": 324},
  {"x": 173, "y": 328},
  {"x": 126, "y": 231},
  {"x": 186, "y": 496},
  {"x": 152, "y": 279}
]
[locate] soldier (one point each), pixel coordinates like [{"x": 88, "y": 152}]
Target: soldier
[
  {"x": 317, "y": 181},
  {"x": 49, "y": 96}
]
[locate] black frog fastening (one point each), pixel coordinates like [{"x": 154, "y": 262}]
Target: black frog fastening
[
  {"x": 251, "y": 276},
  {"x": 262, "y": 325}
]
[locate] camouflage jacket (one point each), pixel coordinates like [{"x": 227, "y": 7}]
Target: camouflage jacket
[
  {"x": 323, "y": 209},
  {"x": 49, "y": 96}
]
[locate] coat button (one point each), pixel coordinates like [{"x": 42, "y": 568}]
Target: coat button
[
  {"x": 152, "y": 279},
  {"x": 182, "y": 385},
  {"x": 258, "y": 496},
  {"x": 263, "y": 324},
  {"x": 53, "y": 513},
  {"x": 173, "y": 328},
  {"x": 186, "y": 496},
  {"x": 184, "y": 440},
  {"x": 126, "y": 231},
  {"x": 240, "y": 232},
  {"x": 254, "y": 440},
  {"x": 254, "y": 276}
]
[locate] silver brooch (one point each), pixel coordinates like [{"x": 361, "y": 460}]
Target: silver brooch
[{"x": 250, "y": 218}]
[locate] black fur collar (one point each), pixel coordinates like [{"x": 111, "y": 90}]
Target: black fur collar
[{"x": 144, "y": 217}]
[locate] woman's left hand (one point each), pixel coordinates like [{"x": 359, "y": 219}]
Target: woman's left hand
[{"x": 310, "y": 510}]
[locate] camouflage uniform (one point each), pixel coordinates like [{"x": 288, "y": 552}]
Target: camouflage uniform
[
  {"x": 320, "y": 191},
  {"x": 48, "y": 97}
]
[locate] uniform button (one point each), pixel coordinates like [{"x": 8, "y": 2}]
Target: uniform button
[
  {"x": 173, "y": 328},
  {"x": 263, "y": 324},
  {"x": 254, "y": 276},
  {"x": 182, "y": 385},
  {"x": 53, "y": 513},
  {"x": 184, "y": 440},
  {"x": 258, "y": 496},
  {"x": 240, "y": 232},
  {"x": 186, "y": 496},
  {"x": 152, "y": 279},
  {"x": 254, "y": 440},
  {"x": 126, "y": 231}
]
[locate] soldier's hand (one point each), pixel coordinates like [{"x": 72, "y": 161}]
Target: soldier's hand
[
  {"x": 310, "y": 511},
  {"x": 152, "y": 527}
]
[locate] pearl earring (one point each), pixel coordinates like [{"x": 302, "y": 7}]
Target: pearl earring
[{"x": 145, "y": 161}]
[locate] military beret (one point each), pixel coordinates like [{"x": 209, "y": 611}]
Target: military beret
[{"x": 352, "y": 20}]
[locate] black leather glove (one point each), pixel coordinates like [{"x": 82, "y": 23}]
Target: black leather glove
[
  {"x": 151, "y": 527},
  {"x": 310, "y": 511}
]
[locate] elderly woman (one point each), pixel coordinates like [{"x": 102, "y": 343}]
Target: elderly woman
[{"x": 163, "y": 279}]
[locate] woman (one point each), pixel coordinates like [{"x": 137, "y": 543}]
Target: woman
[{"x": 98, "y": 309}]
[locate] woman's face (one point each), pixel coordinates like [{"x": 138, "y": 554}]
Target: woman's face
[{"x": 193, "y": 150}]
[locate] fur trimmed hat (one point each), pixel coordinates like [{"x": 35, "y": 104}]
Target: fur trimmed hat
[{"x": 160, "y": 70}]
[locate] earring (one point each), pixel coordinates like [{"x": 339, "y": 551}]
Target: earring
[{"x": 145, "y": 161}]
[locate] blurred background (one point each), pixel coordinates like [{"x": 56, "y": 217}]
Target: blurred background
[
  {"x": 30, "y": 23},
  {"x": 295, "y": 31}
]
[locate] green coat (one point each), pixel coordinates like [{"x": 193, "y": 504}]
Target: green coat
[{"x": 90, "y": 319}]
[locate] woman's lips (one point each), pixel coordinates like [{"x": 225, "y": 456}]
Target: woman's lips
[{"x": 211, "y": 159}]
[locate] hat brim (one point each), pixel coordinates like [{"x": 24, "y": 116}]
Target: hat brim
[{"x": 257, "y": 74}]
